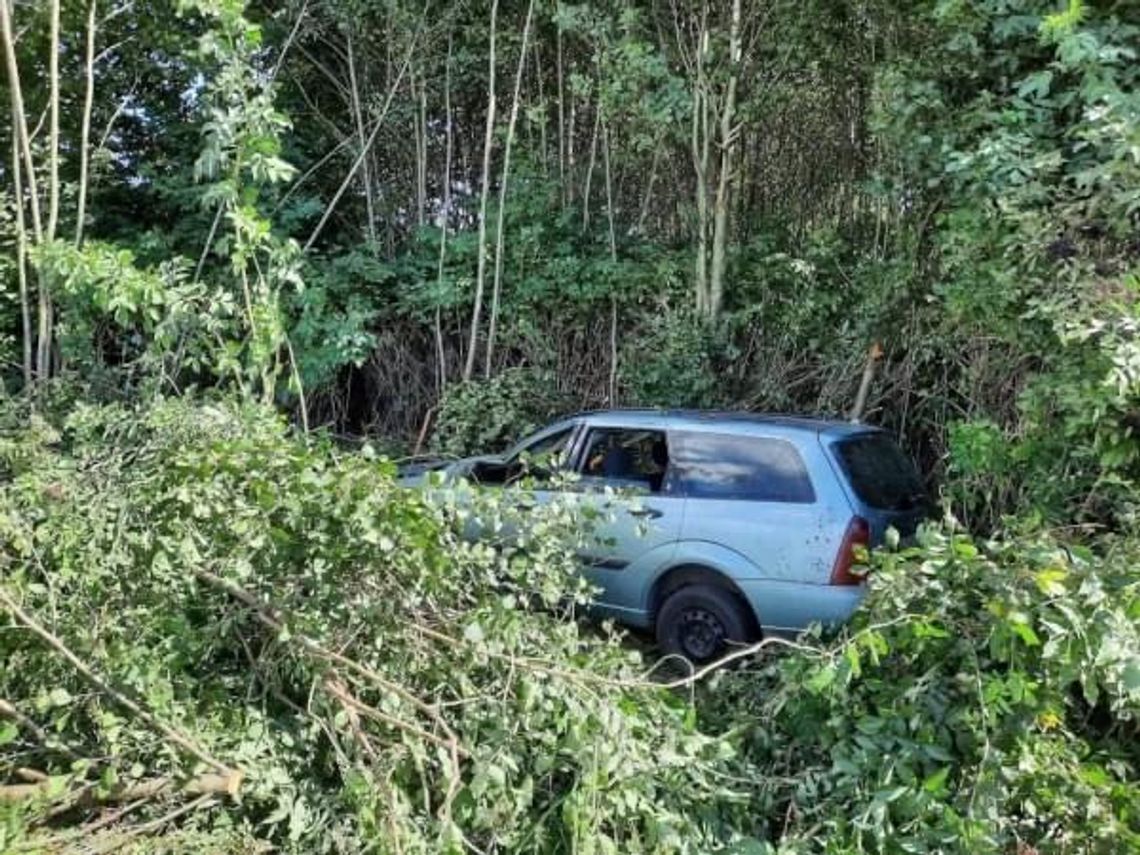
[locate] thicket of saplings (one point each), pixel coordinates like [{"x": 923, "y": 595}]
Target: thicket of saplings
[{"x": 219, "y": 635}]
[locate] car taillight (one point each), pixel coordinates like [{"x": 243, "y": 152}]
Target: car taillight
[{"x": 858, "y": 534}]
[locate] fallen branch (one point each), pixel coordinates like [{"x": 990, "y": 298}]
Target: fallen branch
[
  {"x": 643, "y": 682},
  {"x": 695, "y": 676},
  {"x": 205, "y": 800},
  {"x": 270, "y": 617},
  {"x": 207, "y": 784},
  {"x": 9, "y": 711},
  {"x": 181, "y": 740},
  {"x": 338, "y": 691}
]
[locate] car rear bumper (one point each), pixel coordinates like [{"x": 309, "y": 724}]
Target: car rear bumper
[{"x": 788, "y": 608}]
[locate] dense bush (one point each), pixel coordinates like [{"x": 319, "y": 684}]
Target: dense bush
[
  {"x": 985, "y": 700},
  {"x": 296, "y": 616},
  {"x": 279, "y": 610},
  {"x": 485, "y": 416},
  {"x": 677, "y": 361}
]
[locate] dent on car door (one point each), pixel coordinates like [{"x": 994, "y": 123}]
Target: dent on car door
[{"x": 636, "y": 516}]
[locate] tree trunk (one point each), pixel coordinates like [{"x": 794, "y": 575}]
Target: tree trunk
[
  {"x": 612, "y": 391},
  {"x": 22, "y": 264},
  {"x": 53, "y": 127},
  {"x": 648, "y": 197},
  {"x": 358, "y": 118},
  {"x": 441, "y": 355},
  {"x": 20, "y": 122},
  {"x": 497, "y": 286},
  {"x": 561, "y": 119},
  {"x": 422, "y": 143},
  {"x": 700, "y": 147},
  {"x": 727, "y": 146},
  {"x": 43, "y": 357},
  {"x": 481, "y": 266},
  {"x": 590, "y": 167},
  {"x": 85, "y": 132}
]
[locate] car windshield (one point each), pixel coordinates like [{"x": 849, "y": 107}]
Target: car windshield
[
  {"x": 881, "y": 475},
  {"x": 543, "y": 449}
]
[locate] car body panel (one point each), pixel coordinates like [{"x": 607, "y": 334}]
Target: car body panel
[{"x": 785, "y": 608}]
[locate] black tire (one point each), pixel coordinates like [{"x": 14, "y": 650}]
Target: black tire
[{"x": 702, "y": 622}]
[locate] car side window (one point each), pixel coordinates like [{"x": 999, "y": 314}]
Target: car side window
[
  {"x": 626, "y": 458},
  {"x": 724, "y": 466}
]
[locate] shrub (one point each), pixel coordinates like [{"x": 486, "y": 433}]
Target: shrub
[
  {"x": 676, "y": 362},
  {"x": 485, "y": 416},
  {"x": 282, "y": 610},
  {"x": 986, "y": 700},
  {"x": 248, "y": 602}
]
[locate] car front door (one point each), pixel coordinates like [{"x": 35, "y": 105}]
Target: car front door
[{"x": 628, "y": 496}]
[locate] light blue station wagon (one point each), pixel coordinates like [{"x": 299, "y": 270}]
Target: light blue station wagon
[{"x": 725, "y": 526}]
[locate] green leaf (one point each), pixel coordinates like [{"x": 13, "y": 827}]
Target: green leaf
[
  {"x": 822, "y": 678},
  {"x": 1051, "y": 581},
  {"x": 1130, "y": 679},
  {"x": 936, "y": 781},
  {"x": 59, "y": 697}
]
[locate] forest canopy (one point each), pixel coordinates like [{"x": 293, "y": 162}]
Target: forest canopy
[{"x": 235, "y": 235}]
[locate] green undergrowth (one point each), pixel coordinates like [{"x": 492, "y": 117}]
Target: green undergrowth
[
  {"x": 986, "y": 699},
  {"x": 285, "y": 617}
]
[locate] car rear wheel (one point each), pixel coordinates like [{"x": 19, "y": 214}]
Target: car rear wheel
[{"x": 702, "y": 622}]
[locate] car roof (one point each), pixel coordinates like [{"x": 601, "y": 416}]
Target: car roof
[{"x": 732, "y": 420}]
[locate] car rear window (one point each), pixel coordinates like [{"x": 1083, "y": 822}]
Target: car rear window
[
  {"x": 881, "y": 475},
  {"x": 723, "y": 466}
]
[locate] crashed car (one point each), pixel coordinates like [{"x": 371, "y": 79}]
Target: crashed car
[{"x": 717, "y": 527}]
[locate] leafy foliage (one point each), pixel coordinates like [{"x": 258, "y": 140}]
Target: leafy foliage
[
  {"x": 489, "y": 416},
  {"x": 119, "y": 543},
  {"x": 958, "y": 181},
  {"x": 986, "y": 699}
]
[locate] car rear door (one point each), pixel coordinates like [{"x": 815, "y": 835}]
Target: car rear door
[{"x": 754, "y": 496}]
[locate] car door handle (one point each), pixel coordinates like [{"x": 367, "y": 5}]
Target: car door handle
[{"x": 647, "y": 513}]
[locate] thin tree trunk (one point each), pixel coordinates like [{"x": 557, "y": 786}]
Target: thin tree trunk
[
  {"x": 648, "y": 197},
  {"x": 22, "y": 264},
  {"x": 590, "y": 168},
  {"x": 613, "y": 261},
  {"x": 441, "y": 355},
  {"x": 209, "y": 241},
  {"x": 53, "y": 127},
  {"x": 727, "y": 147},
  {"x": 20, "y": 117},
  {"x": 422, "y": 142},
  {"x": 561, "y": 119},
  {"x": 481, "y": 266},
  {"x": 20, "y": 128},
  {"x": 700, "y": 146},
  {"x": 85, "y": 132},
  {"x": 43, "y": 355},
  {"x": 571, "y": 162},
  {"x": 499, "y": 226},
  {"x": 542, "y": 141},
  {"x": 358, "y": 117}
]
